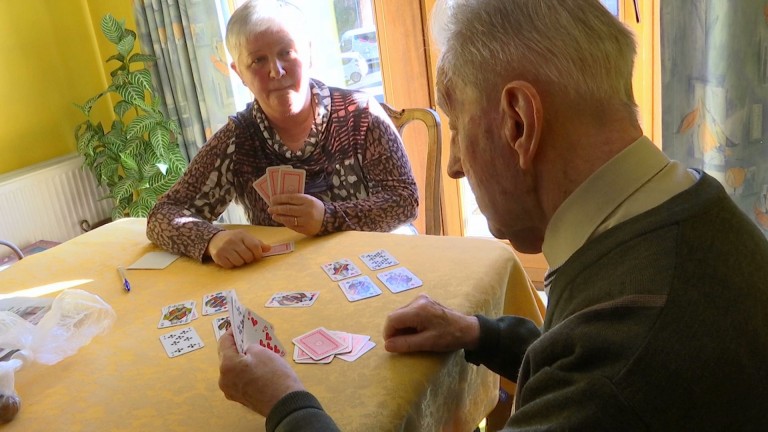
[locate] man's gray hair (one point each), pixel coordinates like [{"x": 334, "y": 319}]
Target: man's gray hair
[
  {"x": 254, "y": 16},
  {"x": 577, "y": 46}
]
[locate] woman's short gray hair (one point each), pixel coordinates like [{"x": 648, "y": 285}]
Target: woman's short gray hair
[
  {"x": 254, "y": 16},
  {"x": 576, "y": 46}
]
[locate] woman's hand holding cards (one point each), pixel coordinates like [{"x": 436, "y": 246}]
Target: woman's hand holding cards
[
  {"x": 235, "y": 248},
  {"x": 301, "y": 213}
]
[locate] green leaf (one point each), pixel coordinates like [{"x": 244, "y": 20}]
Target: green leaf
[
  {"x": 140, "y": 125},
  {"x": 88, "y": 105},
  {"x": 159, "y": 137},
  {"x": 173, "y": 126},
  {"x": 162, "y": 187},
  {"x": 131, "y": 93},
  {"x": 149, "y": 170},
  {"x": 109, "y": 173},
  {"x": 139, "y": 209},
  {"x": 118, "y": 211},
  {"x": 120, "y": 76},
  {"x": 123, "y": 189},
  {"x": 148, "y": 108},
  {"x": 142, "y": 58},
  {"x": 122, "y": 107},
  {"x": 115, "y": 139},
  {"x": 84, "y": 142},
  {"x": 119, "y": 57},
  {"x": 112, "y": 29},
  {"x": 129, "y": 164},
  {"x": 176, "y": 161},
  {"x": 126, "y": 45},
  {"x": 141, "y": 78}
]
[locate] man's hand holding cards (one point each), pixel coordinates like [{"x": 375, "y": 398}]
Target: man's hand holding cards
[{"x": 249, "y": 328}]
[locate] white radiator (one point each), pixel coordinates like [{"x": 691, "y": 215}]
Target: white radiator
[{"x": 48, "y": 201}]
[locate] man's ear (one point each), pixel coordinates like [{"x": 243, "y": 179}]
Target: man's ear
[{"x": 522, "y": 120}]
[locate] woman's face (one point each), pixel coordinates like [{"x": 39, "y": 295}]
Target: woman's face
[{"x": 271, "y": 64}]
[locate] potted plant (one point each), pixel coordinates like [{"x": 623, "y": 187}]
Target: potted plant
[{"x": 137, "y": 157}]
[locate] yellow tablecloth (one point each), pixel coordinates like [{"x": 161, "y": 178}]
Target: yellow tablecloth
[{"x": 124, "y": 381}]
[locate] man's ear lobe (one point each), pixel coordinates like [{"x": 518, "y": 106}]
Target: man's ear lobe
[{"x": 522, "y": 120}]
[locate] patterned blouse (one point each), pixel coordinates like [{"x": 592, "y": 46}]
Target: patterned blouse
[{"x": 353, "y": 157}]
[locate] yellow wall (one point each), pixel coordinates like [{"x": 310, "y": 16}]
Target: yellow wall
[{"x": 50, "y": 59}]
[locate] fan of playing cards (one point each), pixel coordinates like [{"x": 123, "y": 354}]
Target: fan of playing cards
[{"x": 282, "y": 179}]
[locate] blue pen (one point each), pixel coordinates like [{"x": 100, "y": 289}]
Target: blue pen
[{"x": 126, "y": 284}]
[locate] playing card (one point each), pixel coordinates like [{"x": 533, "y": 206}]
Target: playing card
[
  {"x": 154, "y": 261},
  {"x": 262, "y": 187},
  {"x": 273, "y": 178},
  {"x": 291, "y": 180},
  {"x": 369, "y": 344},
  {"x": 378, "y": 259},
  {"x": 292, "y": 299},
  {"x": 177, "y": 314},
  {"x": 215, "y": 302},
  {"x": 319, "y": 343},
  {"x": 220, "y": 326},
  {"x": 237, "y": 319},
  {"x": 341, "y": 269},
  {"x": 279, "y": 249},
  {"x": 399, "y": 279},
  {"x": 181, "y": 341},
  {"x": 345, "y": 338},
  {"x": 359, "y": 288},
  {"x": 300, "y": 356},
  {"x": 259, "y": 331}
]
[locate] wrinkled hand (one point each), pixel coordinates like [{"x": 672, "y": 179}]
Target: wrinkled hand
[
  {"x": 234, "y": 248},
  {"x": 299, "y": 212},
  {"x": 257, "y": 379},
  {"x": 426, "y": 325}
]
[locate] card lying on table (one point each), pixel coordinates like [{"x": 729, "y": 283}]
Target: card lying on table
[
  {"x": 399, "y": 279},
  {"x": 181, "y": 342},
  {"x": 153, "y": 261},
  {"x": 359, "y": 288},
  {"x": 324, "y": 342},
  {"x": 292, "y": 299},
  {"x": 379, "y": 259},
  {"x": 215, "y": 302},
  {"x": 341, "y": 269},
  {"x": 220, "y": 326},
  {"x": 320, "y": 343},
  {"x": 177, "y": 314}
]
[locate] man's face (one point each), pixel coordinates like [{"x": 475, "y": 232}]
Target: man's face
[
  {"x": 272, "y": 64},
  {"x": 482, "y": 153}
]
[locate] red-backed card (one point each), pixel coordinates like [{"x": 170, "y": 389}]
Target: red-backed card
[
  {"x": 273, "y": 178},
  {"x": 262, "y": 187},
  {"x": 291, "y": 180},
  {"x": 319, "y": 343},
  {"x": 279, "y": 249}
]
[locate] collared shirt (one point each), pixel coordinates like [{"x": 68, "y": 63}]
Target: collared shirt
[{"x": 636, "y": 180}]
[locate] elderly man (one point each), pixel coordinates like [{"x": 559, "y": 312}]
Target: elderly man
[{"x": 658, "y": 302}]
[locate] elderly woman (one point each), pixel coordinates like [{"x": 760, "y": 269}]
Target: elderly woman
[{"x": 357, "y": 173}]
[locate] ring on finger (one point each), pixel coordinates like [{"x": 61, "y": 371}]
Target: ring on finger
[{"x": 295, "y": 221}]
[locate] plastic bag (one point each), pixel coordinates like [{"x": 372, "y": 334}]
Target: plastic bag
[{"x": 75, "y": 318}]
